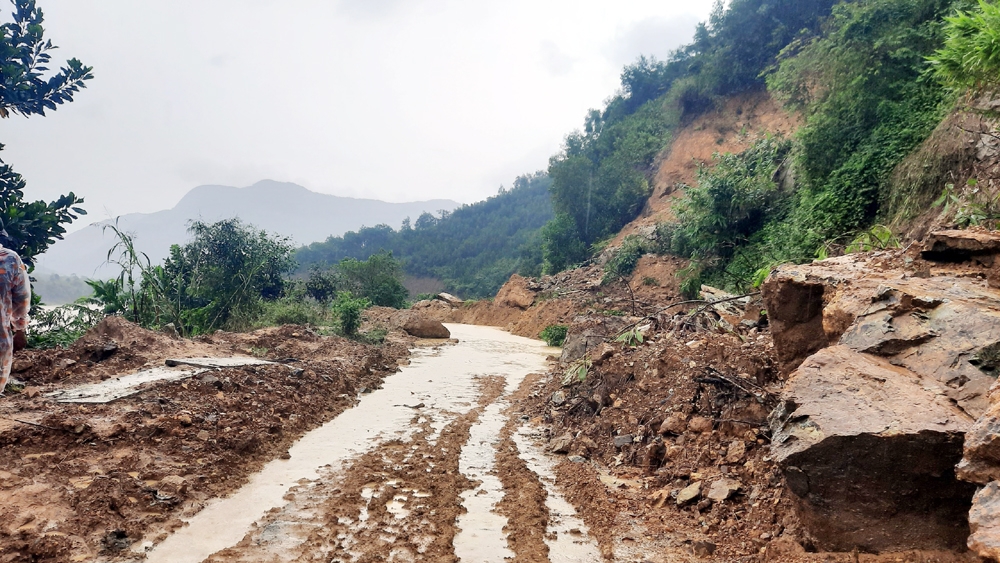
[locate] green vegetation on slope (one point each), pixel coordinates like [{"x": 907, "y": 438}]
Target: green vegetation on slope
[
  {"x": 601, "y": 179},
  {"x": 473, "y": 249},
  {"x": 862, "y": 85}
]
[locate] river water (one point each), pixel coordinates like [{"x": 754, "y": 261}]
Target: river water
[{"x": 441, "y": 384}]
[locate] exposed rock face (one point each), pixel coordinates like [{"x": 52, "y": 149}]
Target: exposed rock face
[
  {"x": 515, "y": 293},
  {"x": 891, "y": 362},
  {"x": 422, "y": 327}
]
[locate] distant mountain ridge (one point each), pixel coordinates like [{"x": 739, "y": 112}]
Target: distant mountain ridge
[{"x": 279, "y": 207}]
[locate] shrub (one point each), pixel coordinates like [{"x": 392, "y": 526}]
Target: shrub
[
  {"x": 348, "y": 310},
  {"x": 554, "y": 335},
  {"x": 624, "y": 260}
]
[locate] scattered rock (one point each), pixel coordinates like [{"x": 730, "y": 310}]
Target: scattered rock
[
  {"x": 172, "y": 485},
  {"x": 676, "y": 423},
  {"x": 700, "y": 424},
  {"x": 659, "y": 498},
  {"x": 425, "y": 328},
  {"x": 849, "y": 301},
  {"x": 102, "y": 351},
  {"x": 689, "y": 493},
  {"x": 558, "y": 398},
  {"x": 515, "y": 293},
  {"x": 870, "y": 448},
  {"x": 577, "y": 343},
  {"x": 209, "y": 379},
  {"x": 116, "y": 540},
  {"x": 32, "y": 392},
  {"x": 184, "y": 419},
  {"x": 204, "y": 435},
  {"x": 577, "y": 459},
  {"x": 703, "y": 548},
  {"x": 601, "y": 353},
  {"x": 723, "y": 489},
  {"x": 623, "y": 440},
  {"x": 960, "y": 245},
  {"x": 737, "y": 449},
  {"x": 170, "y": 330},
  {"x": 561, "y": 444}
]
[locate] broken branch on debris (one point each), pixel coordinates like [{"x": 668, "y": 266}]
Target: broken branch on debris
[{"x": 707, "y": 304}]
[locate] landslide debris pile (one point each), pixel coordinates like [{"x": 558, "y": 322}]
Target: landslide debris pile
[
  {"x": 859, "y": 413},
  {"x": 83, "y": 481}
]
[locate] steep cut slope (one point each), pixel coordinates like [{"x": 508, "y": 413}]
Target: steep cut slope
[{"x": 731, "y": 128}]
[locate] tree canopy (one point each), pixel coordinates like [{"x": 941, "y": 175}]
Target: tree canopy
[{"x": 27, "y": 88}]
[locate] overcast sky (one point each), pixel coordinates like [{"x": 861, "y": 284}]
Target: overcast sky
[{"x": 396, "y": 100}]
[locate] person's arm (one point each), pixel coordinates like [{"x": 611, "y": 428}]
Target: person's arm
[{"x": 20, "y": 297}]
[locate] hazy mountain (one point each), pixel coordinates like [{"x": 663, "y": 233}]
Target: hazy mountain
[{"x": 279, "y": 207}]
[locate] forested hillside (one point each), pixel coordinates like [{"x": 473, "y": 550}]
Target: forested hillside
[{"x": 472, "y": 250}]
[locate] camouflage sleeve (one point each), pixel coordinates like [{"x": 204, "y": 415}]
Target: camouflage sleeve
[{"x": 20, "y": 296}]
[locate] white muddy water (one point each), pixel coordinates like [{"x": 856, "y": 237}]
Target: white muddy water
[{"x": 444, "y": 380}]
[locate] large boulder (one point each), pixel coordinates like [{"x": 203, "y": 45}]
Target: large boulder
[
  {"x": 422, "y": 327},
  {"x": 515, "y": 293},
  {"x": 449, "y": 299},
  {"x": 869, "y": 450}
]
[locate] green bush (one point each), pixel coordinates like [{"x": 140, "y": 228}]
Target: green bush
[
  {"x": 554, "y": 335},
  {"x": 293, "y": 311},
  {"x": 378, "y": 279},
  {"x": 348, "y": 310},
  {"x": 970, "y": 57},
  {"x": 624, "y": 259}
]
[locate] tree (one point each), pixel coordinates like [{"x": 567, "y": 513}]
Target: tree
[
  {"x": 25, "y": 91},
  {"x": 378, "y": 279},
  {"x": 220, "y": 278}
]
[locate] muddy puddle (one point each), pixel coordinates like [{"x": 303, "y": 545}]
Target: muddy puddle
[{"x": 408, "y": 473}]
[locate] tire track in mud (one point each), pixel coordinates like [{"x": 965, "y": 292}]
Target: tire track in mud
[
  {"x": 398, "y": 502},
  {"x": 524, "y": 496}
]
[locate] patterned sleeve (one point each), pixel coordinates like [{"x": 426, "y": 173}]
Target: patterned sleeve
[{"x": 20, "y": 296}]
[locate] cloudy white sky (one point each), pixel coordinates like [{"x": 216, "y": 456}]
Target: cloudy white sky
[{"x": 389, "y": 99}]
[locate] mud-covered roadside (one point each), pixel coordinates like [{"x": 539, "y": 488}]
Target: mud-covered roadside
[{"x": 82, "y": 481}]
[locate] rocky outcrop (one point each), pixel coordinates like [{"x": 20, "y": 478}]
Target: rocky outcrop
[
  {"x": 890, "y": 359},
  {"x": 515, "y": 293},
  {"x": 422, "y": 327}
]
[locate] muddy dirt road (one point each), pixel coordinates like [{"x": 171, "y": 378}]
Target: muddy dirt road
[{"x": 430, "y": 467}]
